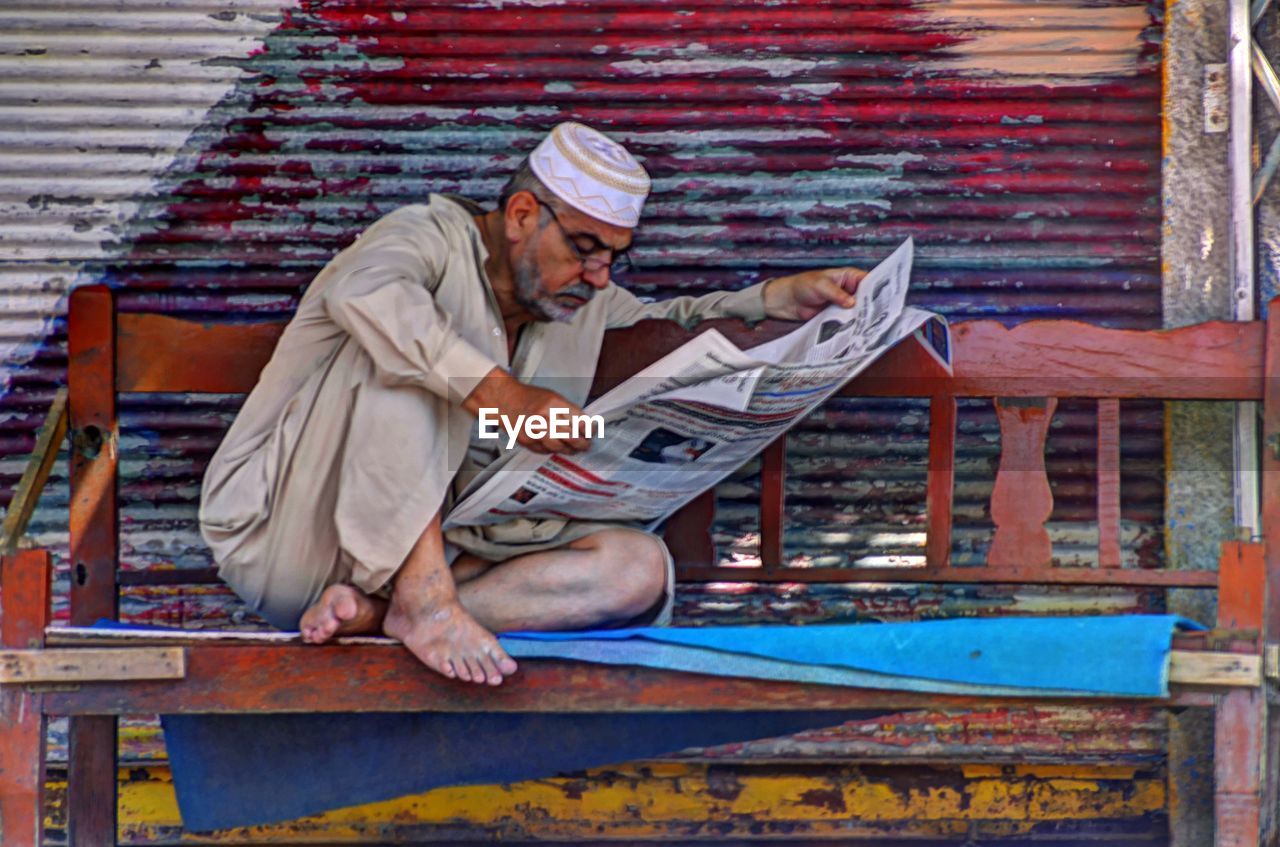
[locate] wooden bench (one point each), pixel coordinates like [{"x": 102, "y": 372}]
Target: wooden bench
[{"x": 51, "y": 671}]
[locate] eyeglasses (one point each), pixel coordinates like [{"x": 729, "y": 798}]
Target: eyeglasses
[{"x": 592, "y": 258}]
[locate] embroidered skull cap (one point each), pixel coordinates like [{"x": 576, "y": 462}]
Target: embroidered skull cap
[{"x": 592, "y": 173}]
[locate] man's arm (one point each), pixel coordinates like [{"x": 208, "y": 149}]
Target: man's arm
[
  {"x": 381, "y": 295},
  {"x": 796, "y": 297}
]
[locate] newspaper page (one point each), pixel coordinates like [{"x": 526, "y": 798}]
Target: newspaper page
[{"x": 693, "y": 417}]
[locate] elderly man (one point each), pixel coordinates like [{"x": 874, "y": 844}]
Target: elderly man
[{"x": 323, "y": 506}]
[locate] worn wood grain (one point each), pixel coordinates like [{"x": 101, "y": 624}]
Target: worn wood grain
[
  {"x": 1189, "y": 667},
  {"x": 1005, "y": 574},
  {"x": 688, "y": 533},
  {"x": 276, "y": 678},
  {"x": 1270, "y": 492},
  {"x": 1109, "y": 483},
  {"x": 1215, "y": 360},
  {"x": 1208, "y": 361},
  {"x": 1242, "y": 587},
  {"x": 1240, "y": 725},
  {"x": 94, "y": 540},
  {"x": 90, "y": 665},
  {"x": 155, "y": 354},
  {"x": 940, "y": 489},
  {"x": 25, "y": 614},
  {"x": 1021, "y": 501},
  {"x": 773, "y": 486}
]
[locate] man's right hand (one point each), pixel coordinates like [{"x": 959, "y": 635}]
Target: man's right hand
[{"x": 511, "y": 397}]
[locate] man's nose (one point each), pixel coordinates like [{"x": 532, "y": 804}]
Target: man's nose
[{"x": 597, "y": 277}]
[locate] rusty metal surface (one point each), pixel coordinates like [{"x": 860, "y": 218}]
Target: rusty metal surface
[{"x": 206, "y": 158}]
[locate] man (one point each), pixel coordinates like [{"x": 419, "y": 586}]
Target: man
[{"x": 323, "y": 505}]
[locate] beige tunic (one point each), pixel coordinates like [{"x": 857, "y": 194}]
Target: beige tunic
[{"x": 354, "y": 438}]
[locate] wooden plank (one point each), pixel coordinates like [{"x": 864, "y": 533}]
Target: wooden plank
[
  {"x": 26, "y": 609},
  {"x": 91, "y": 664},
  {"x": 1021, "y": 501},
  {"x": 160, "y": 353},
  {"x": 941, "y": 481},
  {"x": 94, "y": 454},
  {"x": 27, "y": 495},
  {"x": 65, "y": 636},
  {"x": 773, "y": 470},
  {"x": 145, "y": 660},
  {"x": 1193, "y": 667},
  {"x": 1242, "y": 581},
  {"x": 1209, "y": 361},
  {"x": 1237, "y": 767},
  {"x": 690, "y": 542},
  {"x": 1215, "y": 360},
  {"x": 1007, "y": 575},
  {"x": 275, "y": 678},
  {"x": 1270, "y": 495},
  {"x": 688, "y": 533},
  {"x": 93, "y": 548},
  {"x": 25, "y": 603},
  {"x": 1109, "y": 483}
]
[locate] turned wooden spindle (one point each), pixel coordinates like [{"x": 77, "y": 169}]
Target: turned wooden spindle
[{"x": 1021, "y": 501}]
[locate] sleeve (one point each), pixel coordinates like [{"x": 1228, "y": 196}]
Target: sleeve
[
  {"x": 748, "y": 304},
  {"x": 382, "y": 297}
]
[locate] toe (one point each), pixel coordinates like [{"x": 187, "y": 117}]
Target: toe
[
  {"x": 492, "y": 675},
  {"x": 460, "y": 666},
  {"x": 446, "y": 667},
  {"x": 476, "y": 670},
  {"x": 505, "y": 663}
]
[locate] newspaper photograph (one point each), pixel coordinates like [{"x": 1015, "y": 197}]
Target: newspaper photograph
[{"x": 696, "y": 415}]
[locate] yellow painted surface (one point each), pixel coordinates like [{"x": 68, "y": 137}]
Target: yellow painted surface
[{"x": 642, "y": 800}]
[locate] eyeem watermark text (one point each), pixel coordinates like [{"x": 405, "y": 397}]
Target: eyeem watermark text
[{"x": 561, "y": 424}]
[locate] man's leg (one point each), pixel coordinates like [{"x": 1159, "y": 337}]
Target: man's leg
[
  {"x": 607, "y": 577},
  {"x": 610, "y": 576}
]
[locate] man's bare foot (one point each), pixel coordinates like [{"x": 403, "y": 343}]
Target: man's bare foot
[
  {"x": 449, "y": 641},
  {"x": 342, "y": 610}
]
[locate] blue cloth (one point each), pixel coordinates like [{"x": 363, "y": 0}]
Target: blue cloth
[
  {"x": 244, "y": 770},
  {"x": 1114, "y": 655},
  {"x": 240, "y": 770}
]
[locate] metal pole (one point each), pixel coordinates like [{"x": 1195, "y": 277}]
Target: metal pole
[{"x": 1244, "y": 300}]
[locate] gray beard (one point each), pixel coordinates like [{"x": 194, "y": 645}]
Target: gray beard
[{"x": 533, "y": 297}]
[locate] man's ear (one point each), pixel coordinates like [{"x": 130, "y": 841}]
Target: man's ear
[{"x": 520, "y": 217}]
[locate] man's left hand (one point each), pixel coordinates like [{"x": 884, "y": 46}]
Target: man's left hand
[{"x": 800, "y": 297}]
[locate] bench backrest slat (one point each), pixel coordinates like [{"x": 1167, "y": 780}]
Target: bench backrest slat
[
  {"x": 157, "y": 353},
  {"x": 1213, "y": 361}
]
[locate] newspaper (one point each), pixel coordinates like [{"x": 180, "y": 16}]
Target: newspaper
[{"x": 693, "y": 417}]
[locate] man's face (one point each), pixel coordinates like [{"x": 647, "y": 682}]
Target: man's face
[{"x": 564, "y": 263}]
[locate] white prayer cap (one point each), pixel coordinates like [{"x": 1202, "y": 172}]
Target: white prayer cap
[{"x": 592, "y": 173}]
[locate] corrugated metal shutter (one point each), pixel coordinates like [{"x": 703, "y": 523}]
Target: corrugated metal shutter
[{"x": 207, "y": 159}]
